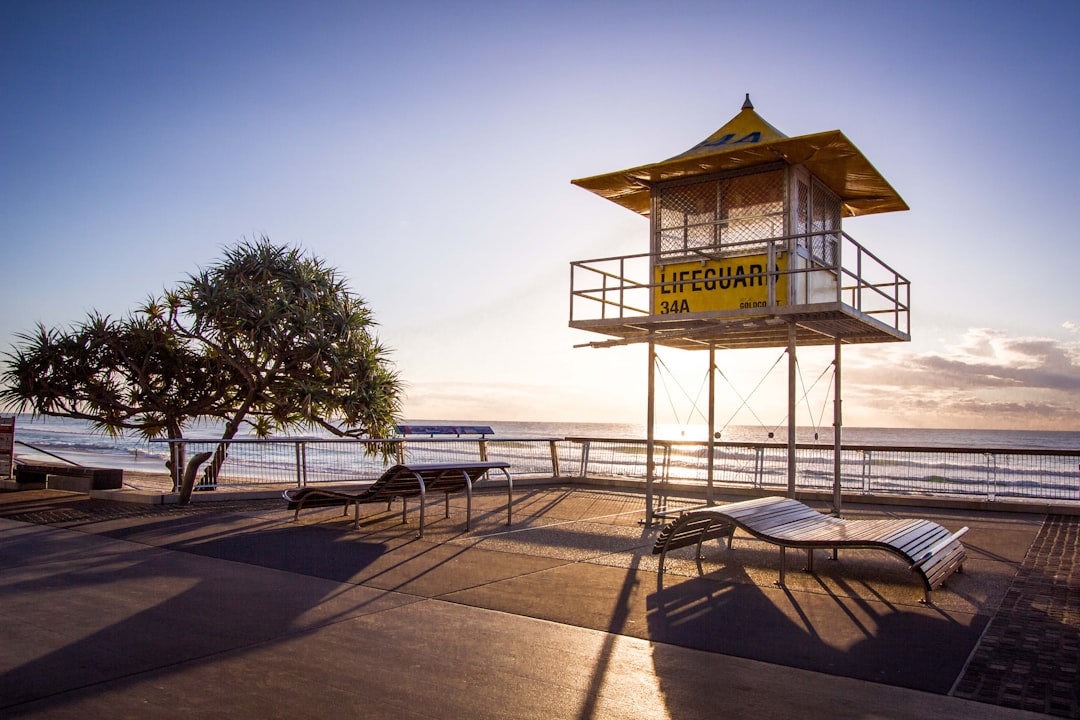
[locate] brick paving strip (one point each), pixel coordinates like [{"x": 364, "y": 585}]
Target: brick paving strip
[
  {"x": 76, "y": 510},
  {"x": 1029, "y": 656}
]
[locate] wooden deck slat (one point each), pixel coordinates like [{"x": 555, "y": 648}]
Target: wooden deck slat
[
  {"x": 766, "y": 521},
  {"x": 916, "y": 542},
  {"x": 826, "y": 533},
  {"x": 802, "y": 528},
  {"x": 879, "y": 530},
  {"x": 763, "y": 514}
]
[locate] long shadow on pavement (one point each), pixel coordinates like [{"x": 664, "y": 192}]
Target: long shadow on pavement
[
  {"x": 136, "y": 608},
  {"x": 915, "y": 647}
]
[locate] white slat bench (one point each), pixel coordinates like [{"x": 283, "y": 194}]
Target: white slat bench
[{"x": 932, "y": 552}]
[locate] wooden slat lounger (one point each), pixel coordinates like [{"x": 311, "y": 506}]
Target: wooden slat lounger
[
  {"x": 404, "y": 481},
  {"x": 931, "y": 551}
]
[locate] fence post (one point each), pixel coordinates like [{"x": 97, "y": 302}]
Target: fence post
[
  {"x": 585, "y": 447},
  {"x": 554, "y": 459},
  {"x": 178, "y": 456},
  {"x": 868, "y": 460},
  {"x": 299, "y": 462},
  {"x": 483, "y": 450},
  {"x": 759, "y": 466}
]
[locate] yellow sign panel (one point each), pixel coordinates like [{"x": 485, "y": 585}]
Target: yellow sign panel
[{"x": 738, "y": 283}]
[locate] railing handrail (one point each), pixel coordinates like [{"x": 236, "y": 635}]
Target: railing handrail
[
  {"x": 900, "y": 470},
  {"x": 853, "y": 447},
  {"x": 801, "y": 445},
  {"x": 315, "y": 438},
  {"x": 900, "y": 286}
]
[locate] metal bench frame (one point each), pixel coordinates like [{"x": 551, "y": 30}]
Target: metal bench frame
[
  {"x": 932, "y": 552},
  {"x": 405, "y": 481}
]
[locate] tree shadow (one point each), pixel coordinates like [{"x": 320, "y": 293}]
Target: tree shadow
[{"x": 146, "y": 608}]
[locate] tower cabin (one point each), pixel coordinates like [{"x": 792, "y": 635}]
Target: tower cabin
[{"x": 746, "y": 247}]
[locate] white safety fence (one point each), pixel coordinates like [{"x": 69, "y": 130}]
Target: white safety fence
[{"x": 989, "y": 474}]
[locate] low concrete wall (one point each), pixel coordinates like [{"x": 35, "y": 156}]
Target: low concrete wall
[{"x": 69, "y": 477}]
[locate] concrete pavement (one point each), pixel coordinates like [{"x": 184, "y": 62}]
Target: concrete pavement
[{"x": 196, "y": 611}]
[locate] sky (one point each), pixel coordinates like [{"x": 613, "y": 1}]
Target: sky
[{"x": 425, "y": 150}]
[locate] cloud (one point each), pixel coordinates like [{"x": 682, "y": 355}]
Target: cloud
[
  {"x": 986, "y": 379},
  {"x": 1070, "y": 326},
  {"x": 983, "y": 379}
]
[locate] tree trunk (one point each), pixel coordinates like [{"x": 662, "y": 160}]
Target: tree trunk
[
  {"x": 189, "y": 476},
  {"x": 210, "y": 475},
  {"x": 177, "y": 458}
]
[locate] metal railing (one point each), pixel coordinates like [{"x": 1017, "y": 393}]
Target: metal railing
[
  {"x": 993, "y": 474},
  {"x": 622, "y": 288},
  {"x": 302, "y": 461}
]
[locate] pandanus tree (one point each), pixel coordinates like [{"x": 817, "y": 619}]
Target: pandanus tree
[{"x": 268, "y": 339}]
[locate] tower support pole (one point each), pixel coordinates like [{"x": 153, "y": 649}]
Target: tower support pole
[
  {"x": 711, "y": 443},
  {"x": 837, "y": 428},
  {"x": 650, "y": 435},
  {"x": 792, "y": 370}
]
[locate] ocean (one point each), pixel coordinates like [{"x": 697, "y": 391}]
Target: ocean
[{"x": 76, "y": 441}]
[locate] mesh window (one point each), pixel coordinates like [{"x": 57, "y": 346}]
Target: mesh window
[
  {"x": 709, "y": 215},
  {"x": 802, "y": 216},
  {"x": 752, "y": 207},
  {"x": 825, "y": 216},
  {"x": 688, "y": 217}
]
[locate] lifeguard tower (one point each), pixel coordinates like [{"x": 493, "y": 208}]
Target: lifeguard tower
[{"x": 746, "y": 250}]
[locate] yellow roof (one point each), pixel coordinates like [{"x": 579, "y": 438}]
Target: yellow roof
[{"x": 748, "y": 140}]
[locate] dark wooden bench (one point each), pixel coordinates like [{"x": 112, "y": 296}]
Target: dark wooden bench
[
  {"x": 404, "y": 481},
  {"x": 932, "y": 552}
]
